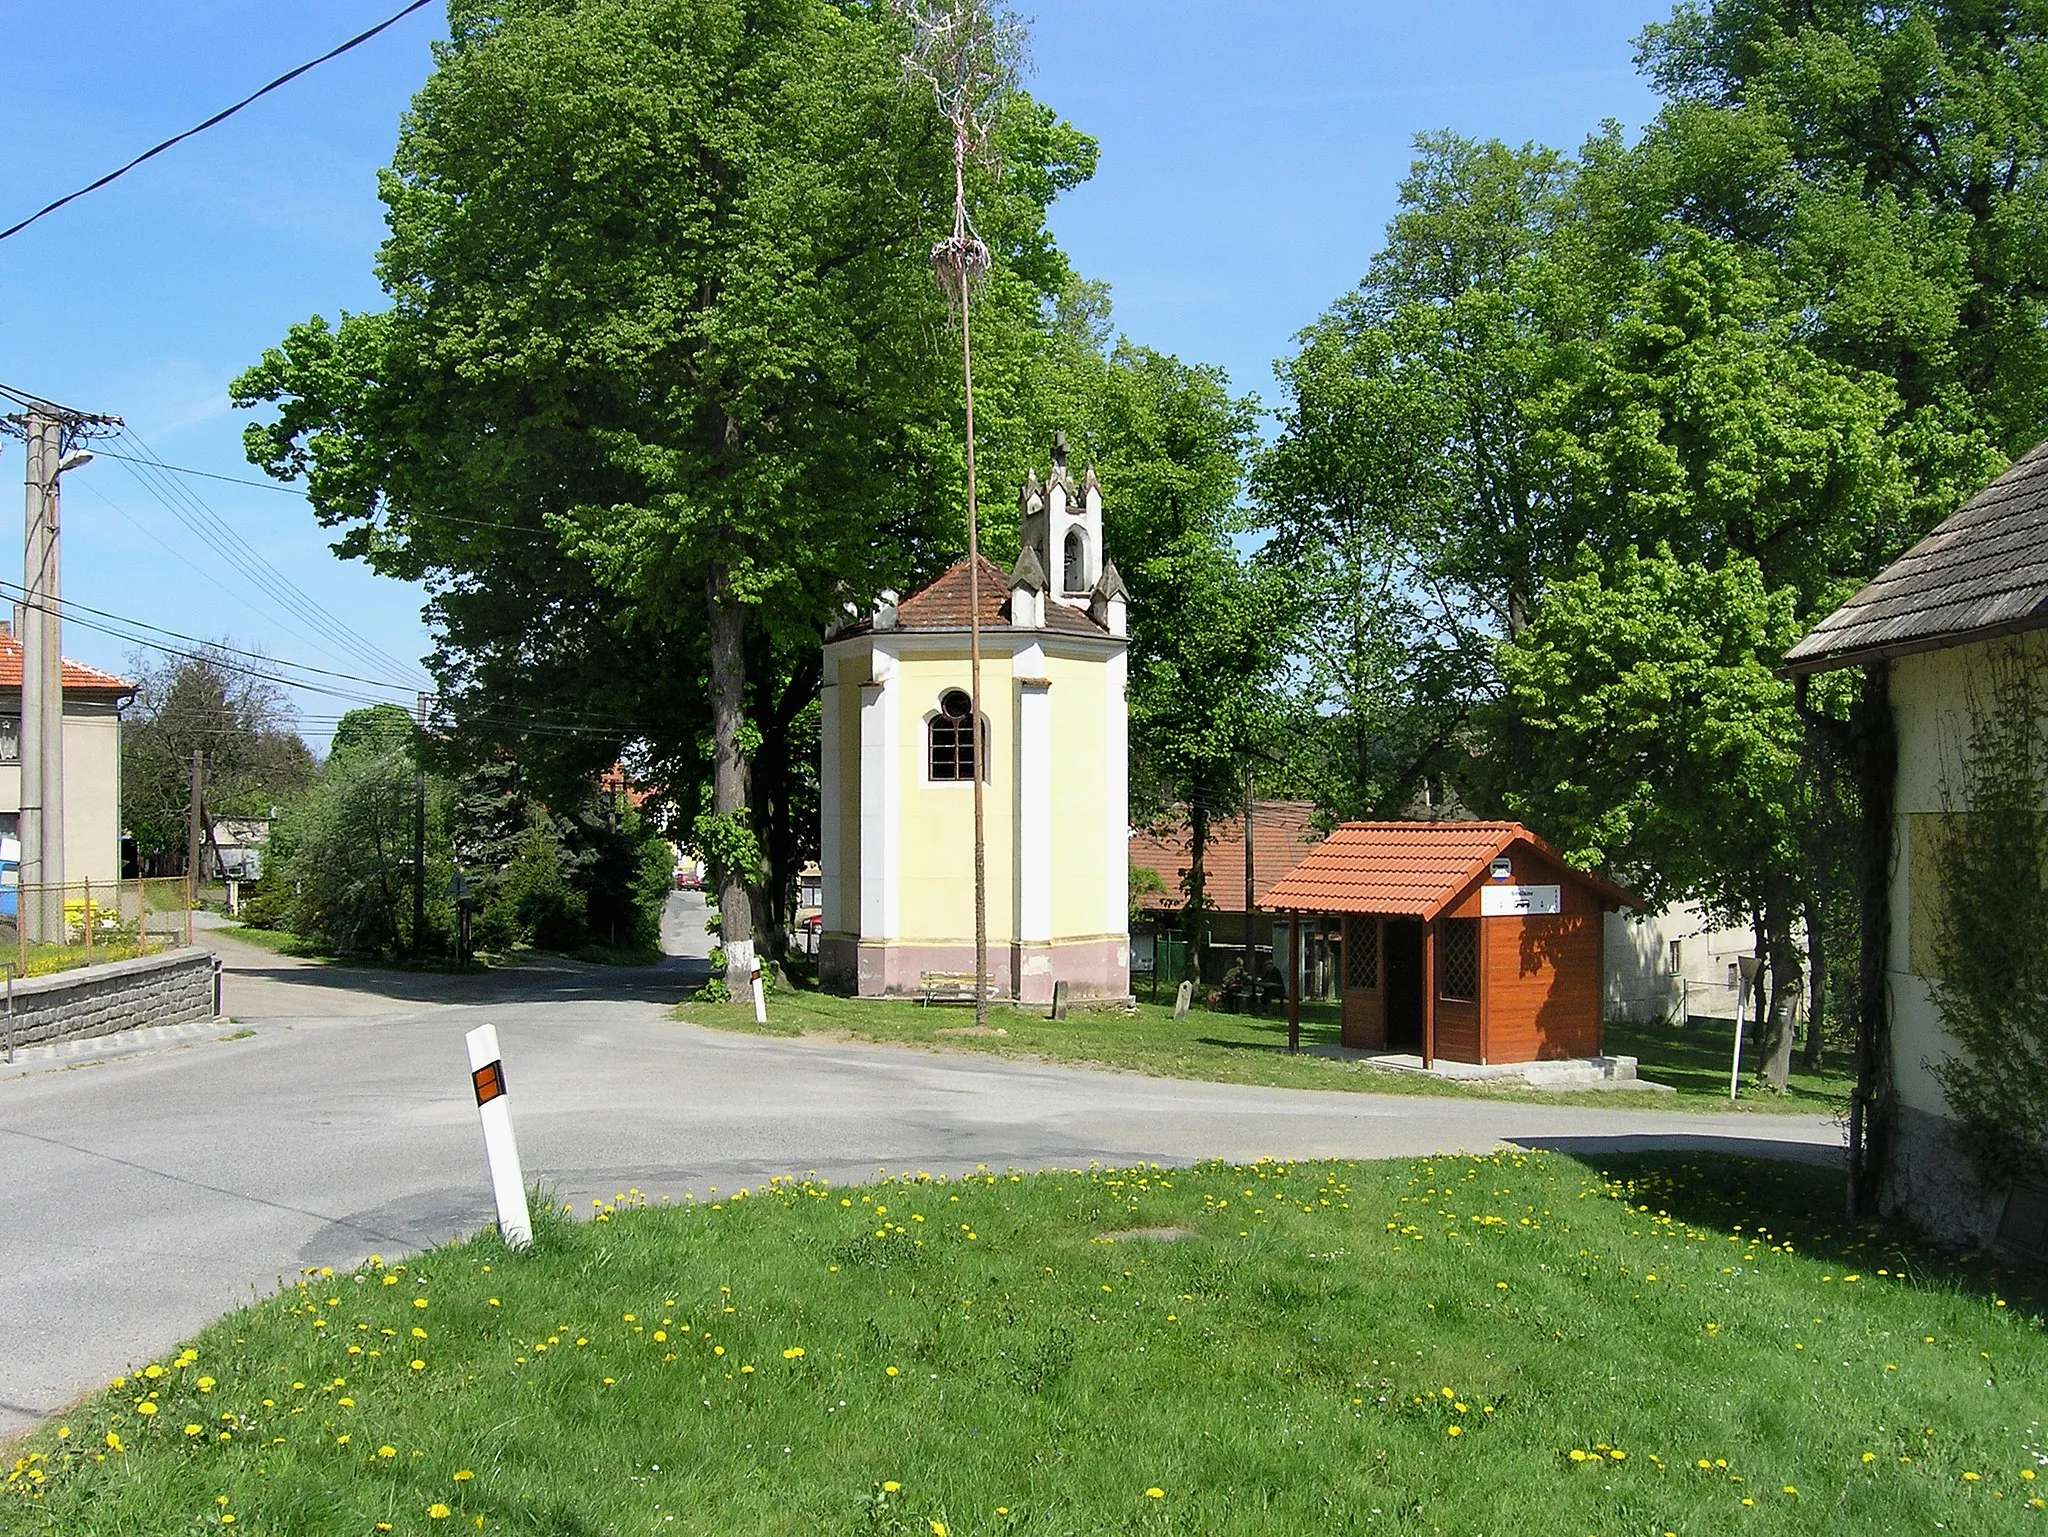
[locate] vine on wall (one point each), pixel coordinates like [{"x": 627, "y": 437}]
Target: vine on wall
[{"x": 1991, "y": 945}]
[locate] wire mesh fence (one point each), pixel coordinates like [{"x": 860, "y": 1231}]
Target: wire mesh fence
[{"x": 83, "y": 923}]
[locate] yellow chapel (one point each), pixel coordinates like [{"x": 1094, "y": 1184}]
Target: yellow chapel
[{"x": 898, "y": 756}]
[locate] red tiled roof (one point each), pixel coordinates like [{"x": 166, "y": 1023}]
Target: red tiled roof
[
  {"x": 77, "y": 676},
  {"x": 1406, "y": 869},
  {"x": 1282, "y": 833},
  {"x": 943, "y": 605}
]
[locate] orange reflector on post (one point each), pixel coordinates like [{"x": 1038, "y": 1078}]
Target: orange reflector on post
[{"x": 490, "y": 1082}]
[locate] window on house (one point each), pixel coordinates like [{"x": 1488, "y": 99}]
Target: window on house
[
  {"x": 1458, "y": 959},
  {"x": 10, "y": 739},
  {"x": 1076, "y": 561},
  {"x": 1362, "y": 953},
  {"x": 951, "y": 755},
  {"x": 1677, "y": 956}
]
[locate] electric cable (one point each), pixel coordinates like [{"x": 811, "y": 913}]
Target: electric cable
[
  {"x": 293, "y": 490},
  {"x": 219, "y": 117},
  {"x": 221, "y": 536}
]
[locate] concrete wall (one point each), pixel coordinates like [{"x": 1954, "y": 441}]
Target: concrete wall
[{"x": 165, "y": 989}]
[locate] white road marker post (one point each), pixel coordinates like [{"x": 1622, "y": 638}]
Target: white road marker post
[
  {"x": 760, "y": 997},
  {"x": 1750, "y": 992},
  {"x": 487, "y": 1074}
]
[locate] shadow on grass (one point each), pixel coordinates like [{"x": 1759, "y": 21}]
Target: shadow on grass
[{"x": 1713, "y": 1182}]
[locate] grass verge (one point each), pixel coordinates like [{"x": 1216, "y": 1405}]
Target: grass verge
[
  {"x": 1517, "y": 1343},
  {"x": 1240, "y": 1048}
]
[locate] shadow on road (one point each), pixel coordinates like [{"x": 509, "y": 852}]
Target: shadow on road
[
  {"x": 673, "y": 980},
  {"x": 1626, "y": 1144}
]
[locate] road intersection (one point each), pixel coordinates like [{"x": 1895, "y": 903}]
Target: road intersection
[{"x": 164, "y": 1180}]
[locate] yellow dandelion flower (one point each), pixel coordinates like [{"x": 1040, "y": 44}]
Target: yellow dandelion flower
[
  {"x": 145, "y": 1408},
  {"x": 1970, "y": 1478},
  {"x": 463, "y": 1475},
  {"x": 113, "y": 1442},
  {"x": 419, "y": 1302},
  {"x": 891, "y": 1372},
  {"x": 1455, "y": 1431},
  {"x": 437, "y": 1512},
  {"x": 419, "y": 1366},
  {"x": 938, "y": 1529},
  {"x": 387, "y": 1452},
  {"x": 890, "y": 1486},
  {"x": 195, "y": 1430},
  {"x": 1155, "y": 1493}
]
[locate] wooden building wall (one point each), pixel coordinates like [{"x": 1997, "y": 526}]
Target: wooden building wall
[{"x": 1539, "y": 978}]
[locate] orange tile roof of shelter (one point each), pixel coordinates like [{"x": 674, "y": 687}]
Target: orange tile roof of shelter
[
  {"x": 77, "y": 676},
  {"x": 1408, "y": 869}
]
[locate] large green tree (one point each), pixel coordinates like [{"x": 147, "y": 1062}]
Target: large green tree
[
  {"x": 659, "y": 385},
  {"x": 1889, "y": 156}
]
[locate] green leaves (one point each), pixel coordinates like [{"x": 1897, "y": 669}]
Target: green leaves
[{"x": 1641, "y": 725}]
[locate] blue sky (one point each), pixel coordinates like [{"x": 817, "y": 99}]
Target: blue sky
[{"x": 1250, "y": 153}]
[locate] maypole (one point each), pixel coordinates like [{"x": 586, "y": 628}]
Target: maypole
[{"x": 970, "y": 53}]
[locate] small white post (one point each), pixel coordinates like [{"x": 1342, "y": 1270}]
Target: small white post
[
  {"x": 1749, "y": 966},
  {"x": 487, "y": 1074},
  {"x": 760, "y": 997}
]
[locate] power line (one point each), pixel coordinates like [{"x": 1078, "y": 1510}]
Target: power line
[
  {"x": 179, "y": 555},
  {"x": 218, "y": 117},
  {"x": 290, "y": 490},
  {"x": 222, "y": 654},
  {"x": 221, "y": 536}
]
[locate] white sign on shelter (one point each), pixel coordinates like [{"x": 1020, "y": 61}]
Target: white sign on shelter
[{"x": 1516, "y": 901}]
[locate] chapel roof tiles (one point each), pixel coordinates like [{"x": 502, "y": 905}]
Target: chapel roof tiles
[
  {"x": 943, "y": 605},
  {"x": 1982, "y": 572}
]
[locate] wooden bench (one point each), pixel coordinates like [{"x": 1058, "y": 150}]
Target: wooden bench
[{"x": 948, "y": 987}]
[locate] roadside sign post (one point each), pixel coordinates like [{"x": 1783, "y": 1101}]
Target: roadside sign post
[
  {"x": 508, "y": 1184},
  {"x": 760, "y": 995},
  {"x": 1748, "y": 993}
]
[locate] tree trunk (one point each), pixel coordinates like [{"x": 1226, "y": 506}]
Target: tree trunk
[
  {"x": 729, "y": 788},
  {"x": 1816, "y": 985},
  {"x": 1774, "y": 1047},
  {"x": 1197, "y": 889}
]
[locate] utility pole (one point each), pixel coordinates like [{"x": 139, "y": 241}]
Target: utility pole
[
  {"x": 54, "y": 437},
  {"x": 419, "y": 832},
  {"x": 195, "y": 827}
]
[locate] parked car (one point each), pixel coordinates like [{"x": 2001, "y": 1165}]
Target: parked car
[{"x": 688, "y": 880}]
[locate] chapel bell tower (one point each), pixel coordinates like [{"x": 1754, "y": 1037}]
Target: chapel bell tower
[{"x": 1061, "y": 523}]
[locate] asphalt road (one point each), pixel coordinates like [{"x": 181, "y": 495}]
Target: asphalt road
[{"x": 161, "y": 1180}]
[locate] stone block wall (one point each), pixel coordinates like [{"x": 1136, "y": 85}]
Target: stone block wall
[{"x": 166, "y": 989}]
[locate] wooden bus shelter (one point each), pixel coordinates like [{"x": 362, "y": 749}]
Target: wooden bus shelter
[{"x": 1467, "y": 941}]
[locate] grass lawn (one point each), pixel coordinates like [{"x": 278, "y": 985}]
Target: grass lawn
[
  {"x": 280, "y": 942},
  {"x": 1515, "y": 1344},
  {"x": 1239, "y": 1048}
]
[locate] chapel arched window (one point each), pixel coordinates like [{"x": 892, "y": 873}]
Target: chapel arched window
[
  {"x": 950, "y": 753},
  {"x": 1076, "y": 561}
]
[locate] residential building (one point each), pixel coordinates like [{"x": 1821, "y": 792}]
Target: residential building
[
  {"x": 1928, "y": 634},
  {"x": 93, "y": 701}
]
